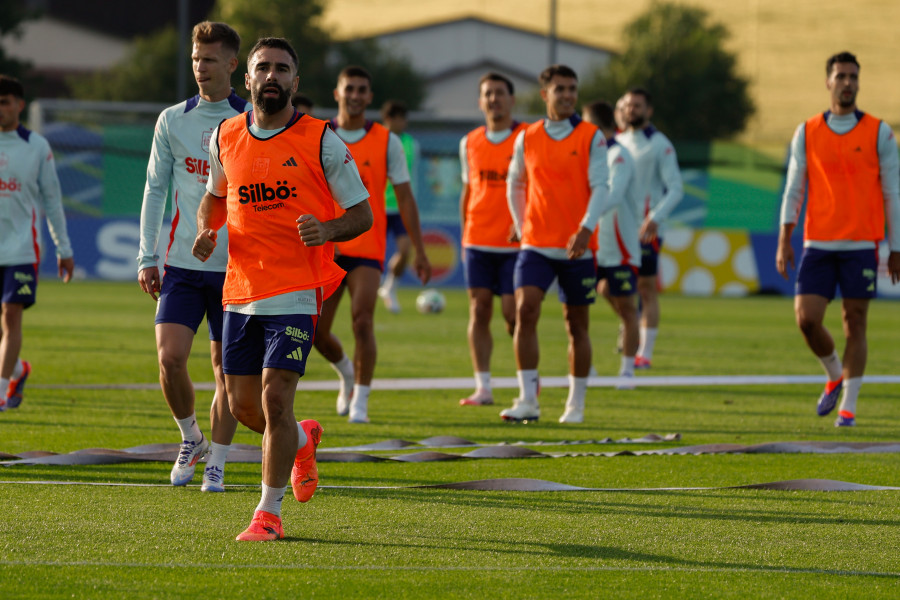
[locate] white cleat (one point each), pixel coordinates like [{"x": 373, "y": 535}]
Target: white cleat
[
  {"x": 359, "y": 412},
  {"x": 213, "y": 479},
  {"x": 480, "y": 397},
  {"x": 574, "y": 413},
  {"x": 343, "y": 404},
  {"x": 626, "y": 381},
  {"x": 389, "y": 297},
  {"x": 521, "y": 411},
  {"x": 190, "y": 453}
]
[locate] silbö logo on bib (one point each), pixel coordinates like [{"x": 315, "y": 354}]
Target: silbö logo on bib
[{"x": 265, "y": 197}]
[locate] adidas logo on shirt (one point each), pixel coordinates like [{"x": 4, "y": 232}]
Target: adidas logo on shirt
[
  {"x": 347, "y": 158},
  {"x": 289, "y": 162}
]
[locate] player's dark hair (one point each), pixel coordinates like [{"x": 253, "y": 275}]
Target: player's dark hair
[
  {"x": 11, "y": 86},
  {"x": 355, "y": 71},
  {"x": 840, "y": 57},
  {"x": 300, "y": 99},
  {"x": 210, "y": 32},
  {"x": 552, "y": 71},
  {"x": 393, "y": 109},
  {"x": 494, "y": 76},
  {"x": 277, "y": 43},
  {"x": 639, "y": 91},
  {"x": 602, "y": 114}
]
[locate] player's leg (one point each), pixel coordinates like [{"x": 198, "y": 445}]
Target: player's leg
[
  {"x": 620, "y": 290},
  {"x": 362, "y": 283},
  {"x": 577, "y": 290},
  {"x": 330, "y": 347},
  {"x": 481, "y": 344},
  {"x": 18, "y": 291},
  {"x": 648, "y": 292},
  {"x": 397, "y": 263},
  {"x": 10, "y": 346}
]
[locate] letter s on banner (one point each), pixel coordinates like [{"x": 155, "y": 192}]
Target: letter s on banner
[{"x": 117, "y": 243}]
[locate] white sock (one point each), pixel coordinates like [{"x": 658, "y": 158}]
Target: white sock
[
  {"x": 271, "y": 499},
  {"x": 389, "y": 281},
  {"x": 832, "y": 365},
  {"x": 17, "y": 370},
  {"x": 483, "y": 381},
  {"x": 189, "y": 430},
  {"x": 528, "y": 380},
  {"x": 217, "y": 455},
  {"x": 4, "y": 387},
  {"x": 849, "y": 394},
  {"x": 301, "y": 435},
  {"x": 627, "y": 366},
  {"x": 359, "y": 404},
  {"x": 344, "y": 369},
  {"x": 577, "y": 390},
  {"x": 648, "y": 340}
]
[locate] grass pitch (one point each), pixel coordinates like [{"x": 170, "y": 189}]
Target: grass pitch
[{"x": 156, "y": 541}]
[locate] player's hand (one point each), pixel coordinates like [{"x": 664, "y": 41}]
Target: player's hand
[
  {"x": 204, "y": 244},
  {"x": 784, "y": 258},
  {"x": 313, "y": 232},
  {"x": 66, "y": 267},
  {"x": 422, "y": 267},
  {"x": 578, "y": 243},
  {"x": 649, "y": 231},
  {"x": 893, "y": 266},
  {"x": 150, "y": 281}
]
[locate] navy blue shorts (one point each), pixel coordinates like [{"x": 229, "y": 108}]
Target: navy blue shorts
[
  {"x": 186, "y": 295},
  {"x": 650, "y": 258},
  {"x": 256, "y": 342},
  {"x": 348, "y": 263},
  {"x": 621, "y": 280},
  {"x": 822, "y": 271},
  {"x": 491, "y": 270},
  {"x": 18, "y": 285},
  {"x": 577, "y": 278},
  {"x": 395, "y": 225}
]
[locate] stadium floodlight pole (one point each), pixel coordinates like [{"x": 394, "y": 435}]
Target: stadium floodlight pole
[
  {"x": 551, "y": 35},
  {"x": 181, "y": 71}
]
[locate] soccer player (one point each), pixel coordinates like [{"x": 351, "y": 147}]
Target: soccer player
[
  {"x": 302, "y": 103},
  {"x": 488, "y": 236},
  {"x": 619, "y": 252},
  {"x": 380, "y": 158},
  {"x": 659, "y": 179},
  {"x": 846, "y": 161},
  {"x": 29, "y": 188},
  {"x": 394, "y": 116},
  {"x": 274, "y": 177},
  {"x": 557, "y": 188},
  {"x": 190, "y": 288},
  {"x": 621, "y": 123}
]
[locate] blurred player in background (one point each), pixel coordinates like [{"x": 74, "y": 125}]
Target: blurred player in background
[
  {"x": 380, "y": 158},
  {"x": 488, "y": 235},
  {"x": 659, "y": 180},
  {"x": 557, "y": 190},
  {"x": 394, "y": 116},
  {"x": 189, "y": 288},
  {"x": 619, "y": 250},
  {"x": 302, "y": 103},
  {"x": 29, "y": 189},
  {"x": 280, "y": 263},
  {"x": 846, "y": 160}
]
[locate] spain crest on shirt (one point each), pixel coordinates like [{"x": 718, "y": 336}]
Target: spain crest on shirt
[
  {"x": 204, "y": 140},
  {"x": 260, "y": 167}
]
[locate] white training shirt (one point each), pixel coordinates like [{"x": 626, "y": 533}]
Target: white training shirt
[
  {"x": 618, "y": 229},
  {"x": 29, "y": 189},
  {"x": 180, "y": 157},
  {"x": 658, "y": 175},
  {"x": 597, "y": 174},
  {"x": 346, "y": 187},
  {"x": 889, "y": 163}
]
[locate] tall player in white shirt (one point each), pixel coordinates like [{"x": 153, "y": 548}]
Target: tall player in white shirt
[
  {"x": 28, "y": 187},
  {"x": 659, "y": 178},
  {"x": 190, "y": 288}
]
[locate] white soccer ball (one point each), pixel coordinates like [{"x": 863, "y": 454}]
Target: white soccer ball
[{"x": 430, "y": 301}]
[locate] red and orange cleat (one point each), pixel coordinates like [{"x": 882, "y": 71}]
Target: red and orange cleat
[
  {"x": 264, "y": 527},
  {"x": 305, "y": 474}
]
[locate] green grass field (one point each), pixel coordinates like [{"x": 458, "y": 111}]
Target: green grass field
[{"x": 156, "y": 541}]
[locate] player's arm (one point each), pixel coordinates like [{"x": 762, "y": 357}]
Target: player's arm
[
  {"x": 791, "y": 201},
  {"x": 50, "y": 197},
  {"x": 356, "y": 220},
  {"x": 153, "y": 207},
  {"x": 398, "y": 173},
  {"x": 464, "y": 176},
  {"x": 670, "y": 175},
  {"x": 889, "y": 162},
  {"x": 516, "y": 182},
  {"x": 211, "y": 216},
  {"x": 599, "y": 202}
]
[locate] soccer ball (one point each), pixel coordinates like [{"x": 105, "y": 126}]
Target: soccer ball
[{"x": 430, "y": 301}]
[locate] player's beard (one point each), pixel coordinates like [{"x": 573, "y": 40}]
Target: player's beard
[{"x": 268, "y": 105}]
